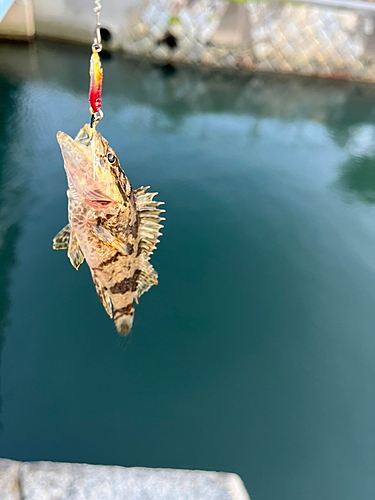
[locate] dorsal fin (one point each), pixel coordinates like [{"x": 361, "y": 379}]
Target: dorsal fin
[
  {"x": 149, "y": 214},
  {"x": 147, "y": 278}
]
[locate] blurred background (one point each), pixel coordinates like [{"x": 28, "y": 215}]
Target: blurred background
[
  {"x": 331, "y": 38},
  {"x": 255, "y": 354}
]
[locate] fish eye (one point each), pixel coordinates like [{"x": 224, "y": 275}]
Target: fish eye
[{"x": 111, "y": 158}]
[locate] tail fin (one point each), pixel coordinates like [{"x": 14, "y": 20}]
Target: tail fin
[{"x": 124, "y": 319}]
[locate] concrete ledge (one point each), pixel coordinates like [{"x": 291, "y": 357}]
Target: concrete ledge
[{"x": 63, "y": 481}]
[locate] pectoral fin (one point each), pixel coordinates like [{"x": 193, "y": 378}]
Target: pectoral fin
[
  {"x": 61, "y": 240},
  {"x": 103, "y": 296},
  {"x": 106, "y": 237},
  {"x": 75, "y": 253}
]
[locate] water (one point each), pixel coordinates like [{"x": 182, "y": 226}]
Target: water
[{"x": 255, "y": 354}]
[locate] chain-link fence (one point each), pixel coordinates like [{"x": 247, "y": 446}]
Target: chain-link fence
[{"x": 309, "y": 38}]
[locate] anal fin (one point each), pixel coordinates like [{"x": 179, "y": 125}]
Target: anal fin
[
  {"x": 147, "y": 278},
  {"x": 75, "y": 254},
  {"x": 104, "y": 297},
  {"x": 61, "y": 240}
]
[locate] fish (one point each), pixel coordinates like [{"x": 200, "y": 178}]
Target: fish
[{"x": 111, "y": 226}]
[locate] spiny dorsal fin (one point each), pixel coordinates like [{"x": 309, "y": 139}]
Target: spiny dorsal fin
[
  {"x": 75, "y": 253},
  {"x": 103, "y": 296},
  {"x": 61, "y": 240},
  {"x": 149, "y": 214},
  {"x": 147, "y": 278}
]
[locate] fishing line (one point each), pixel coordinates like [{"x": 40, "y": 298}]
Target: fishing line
[{"x": 96, "y": 83}]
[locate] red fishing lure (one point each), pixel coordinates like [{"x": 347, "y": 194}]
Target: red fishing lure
[{"x": 96, "y": 81}]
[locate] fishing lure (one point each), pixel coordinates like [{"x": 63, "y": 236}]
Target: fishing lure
[
  {"x": 96, "y": 82},
  {"x": 111, "y": 226}
]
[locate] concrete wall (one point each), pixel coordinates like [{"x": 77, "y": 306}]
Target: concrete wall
[
  {"x": 74, "y": 20},
  {"x": 18, "y": 21}
]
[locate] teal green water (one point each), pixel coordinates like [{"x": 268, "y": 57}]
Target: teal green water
[{"x": 256, "y": 352}]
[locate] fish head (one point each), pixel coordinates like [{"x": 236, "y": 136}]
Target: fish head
[{"x": 93, "y": 170}]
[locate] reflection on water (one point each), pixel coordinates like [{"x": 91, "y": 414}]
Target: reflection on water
[
  {"x": 358, "y": 177},
  {"x": 357, "y": 173},
  {"x": 255, "y": 353}
]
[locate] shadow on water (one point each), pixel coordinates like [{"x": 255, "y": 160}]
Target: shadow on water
[
  {"x": 10, "y": 201},
  {"x": 10, "y": 197},
  {"x": 8, "y": 243}
]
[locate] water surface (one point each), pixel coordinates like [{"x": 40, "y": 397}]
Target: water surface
[{"x": 256, "y": 352}]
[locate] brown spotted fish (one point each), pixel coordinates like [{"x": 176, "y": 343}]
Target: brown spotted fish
[{"x": 110, "y": 225}]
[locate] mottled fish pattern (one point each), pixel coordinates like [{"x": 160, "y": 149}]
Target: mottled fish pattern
[{"x": 111, "y": 226}]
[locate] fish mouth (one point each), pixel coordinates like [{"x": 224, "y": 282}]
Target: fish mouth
[
  {"x": 88, "y": 180},
  {"x": 76, "y": 155},
  {"x": 79, "y": 167}
]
